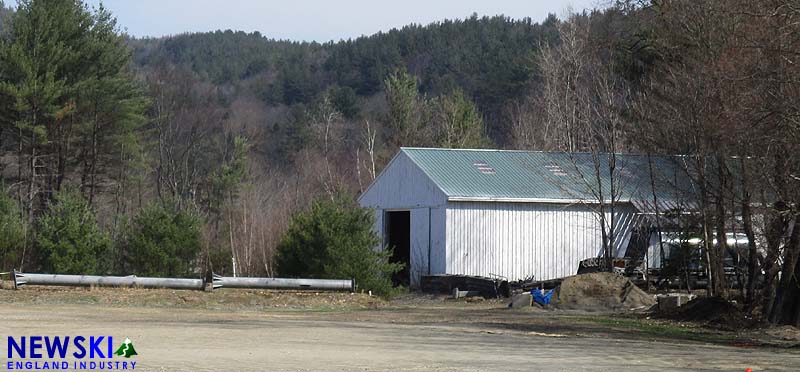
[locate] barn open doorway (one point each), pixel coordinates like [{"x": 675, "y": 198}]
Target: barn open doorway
[{"x": 398, "y": 237}]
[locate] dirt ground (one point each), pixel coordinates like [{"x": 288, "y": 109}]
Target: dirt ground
[{"x": 245, "y": 331}]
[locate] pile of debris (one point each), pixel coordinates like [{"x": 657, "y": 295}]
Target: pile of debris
[
  {"x": 600, "y": 292},
  {"x": 713, "y": 311},
  {"x": 465, "y": 286}
]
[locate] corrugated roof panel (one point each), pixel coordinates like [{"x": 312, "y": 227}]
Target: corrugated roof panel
[{"x": 503, "y": 174}]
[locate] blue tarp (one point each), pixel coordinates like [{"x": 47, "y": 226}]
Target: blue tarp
[{"x": 541, "y": 298}]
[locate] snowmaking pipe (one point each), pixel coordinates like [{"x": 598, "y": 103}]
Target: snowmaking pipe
[
  {"x": 285, "y": 283},
  {"x": 21, "y": 279}
]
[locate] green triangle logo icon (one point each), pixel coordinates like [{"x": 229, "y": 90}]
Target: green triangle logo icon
[{"x": 126, "y": 349}]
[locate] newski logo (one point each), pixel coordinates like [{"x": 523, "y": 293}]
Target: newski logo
[
  {"x": 46, "y": 352},
  {"x": 57, "y": 345},
  {"x": 126, "y": 349}
]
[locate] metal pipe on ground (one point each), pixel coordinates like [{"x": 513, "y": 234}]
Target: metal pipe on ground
[
  {"x": 21, "y": 279},
  {"x": 285, "y": 283}
]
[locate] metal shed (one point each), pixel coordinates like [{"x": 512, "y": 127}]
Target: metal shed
[{"x": 512, "y": 214}]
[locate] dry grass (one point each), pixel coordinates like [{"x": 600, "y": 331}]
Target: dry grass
[{"x": 227, "y": 299}]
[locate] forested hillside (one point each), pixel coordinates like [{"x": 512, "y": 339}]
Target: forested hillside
[
  {"x": 4, "y": 14},
  {"x": 491, "y": 59},
  {"x": 191, "y": 153}
]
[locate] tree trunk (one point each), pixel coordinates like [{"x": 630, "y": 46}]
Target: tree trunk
[
  {"x": 752, "y": 250},
  {"x": 785, "y": 308},
  {"x": 662, "y": 259},
  {"x": 710, "y": 252},
  {"x": 721, "y": 248},
  {"x": 771, "y": 268}
]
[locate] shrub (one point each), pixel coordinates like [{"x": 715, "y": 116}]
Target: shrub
[
  {"x": 12, "y": 233},
  {"x": 67, "y": 237},
  {"x": 163, "y": 241},
  {"x": 335, "y": 240}
]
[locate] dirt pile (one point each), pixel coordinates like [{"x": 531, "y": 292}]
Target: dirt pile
[
  {"x": 600, "y": 292},
  {"x": 785, "y": 333},
  {"x": 713, "y": 311}
]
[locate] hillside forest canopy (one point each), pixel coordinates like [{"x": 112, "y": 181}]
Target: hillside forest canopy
[{"x": 192, "y": 153}]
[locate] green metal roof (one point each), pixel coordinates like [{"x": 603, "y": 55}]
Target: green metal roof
[{"x": 505, "y": 175}]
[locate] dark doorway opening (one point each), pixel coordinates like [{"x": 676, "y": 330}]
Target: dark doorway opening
[{"x": 398, "y": 237}]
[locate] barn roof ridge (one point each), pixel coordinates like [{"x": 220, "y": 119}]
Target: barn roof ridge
[{"x": 624, "y": 154}]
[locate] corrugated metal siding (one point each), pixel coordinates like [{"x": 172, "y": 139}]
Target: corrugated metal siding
[
  {"x": 654, "y": 251},
  {"x": 378, "y": 227},
  {"x": 402, "y": 185},
  {"x": 517, "y": 240},
  {"x": 624, "y": 224},
  {"x": 419, "y": 244},
  {"x": 438, "y": 240},
  {"x": 427, "y": 229}
]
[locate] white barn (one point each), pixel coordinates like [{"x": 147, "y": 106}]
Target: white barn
[{"x": 511, "y": 214}]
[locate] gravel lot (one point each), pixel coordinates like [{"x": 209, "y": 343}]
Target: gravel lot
[{"x": 403, "y": 336}]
